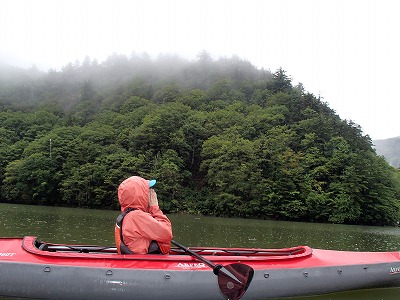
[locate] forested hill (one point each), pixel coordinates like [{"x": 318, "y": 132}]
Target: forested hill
[{"x": 220, "y": 136}]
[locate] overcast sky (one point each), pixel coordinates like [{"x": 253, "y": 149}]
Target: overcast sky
[{"x": 346, "y": 51}]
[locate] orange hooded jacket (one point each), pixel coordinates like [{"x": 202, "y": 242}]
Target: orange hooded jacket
[{"x": 144, "y": 224}]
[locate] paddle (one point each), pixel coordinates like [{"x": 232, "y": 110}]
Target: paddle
[{"x": 233, "y": 279}]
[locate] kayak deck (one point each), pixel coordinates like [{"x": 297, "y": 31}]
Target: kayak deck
[
  {"x": 30, "y": 250},
  {"x": 65, "y": 271}
]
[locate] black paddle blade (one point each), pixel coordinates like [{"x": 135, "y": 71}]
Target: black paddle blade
[{"x": 234, "y": 279}]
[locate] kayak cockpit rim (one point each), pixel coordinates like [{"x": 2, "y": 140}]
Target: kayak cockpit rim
[{"x": 34, "y": 246}]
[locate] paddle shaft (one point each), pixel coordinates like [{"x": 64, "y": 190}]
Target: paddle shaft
[{"x": 199, "y": 257}]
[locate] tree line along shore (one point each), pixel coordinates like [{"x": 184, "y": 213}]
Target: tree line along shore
[{"x": 221, "y": 137}]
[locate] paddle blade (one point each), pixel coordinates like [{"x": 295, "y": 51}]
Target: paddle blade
[{"x": 234, "y": 279}]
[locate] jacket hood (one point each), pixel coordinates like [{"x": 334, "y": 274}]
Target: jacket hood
[{"x": 134, "y": 193}]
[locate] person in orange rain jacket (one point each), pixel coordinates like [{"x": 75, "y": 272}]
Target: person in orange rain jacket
[{"x": 142, "y": 227}]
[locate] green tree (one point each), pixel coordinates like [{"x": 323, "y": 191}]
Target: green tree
[
  {"x": 161, "y": 129},
  {"x": 231, "y": 168},
  {"x": 280, "y": 82},
  {"x": 84, "y": 187},
  {"x": 169, "y": 169},
  {"x": 31, "y": 181},
  {"x": 167, "y": 94}
]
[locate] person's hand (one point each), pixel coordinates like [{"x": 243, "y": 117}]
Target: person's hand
[{"x": 152, "y": 198}]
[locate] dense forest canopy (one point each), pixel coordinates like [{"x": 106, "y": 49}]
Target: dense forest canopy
[{"x": 221, "y": 137}]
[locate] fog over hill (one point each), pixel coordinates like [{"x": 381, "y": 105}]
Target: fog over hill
[
  {"x": 390, "y": 149},
  {"x": 223, "y": 138}
]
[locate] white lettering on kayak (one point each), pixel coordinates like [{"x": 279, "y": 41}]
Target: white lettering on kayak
[
  {"x": 189, "y": 266},
  {"x": 394, "y": 270},
  {"x": 7, "y": 254},
  {"x": 118, "y": 282}
]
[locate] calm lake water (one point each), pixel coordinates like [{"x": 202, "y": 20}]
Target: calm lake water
[{"x": 84, "y": 226}]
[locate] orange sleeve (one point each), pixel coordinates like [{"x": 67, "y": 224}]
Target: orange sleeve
[{"x": 154, "y": 225}]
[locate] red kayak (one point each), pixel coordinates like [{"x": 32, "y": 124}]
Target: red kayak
[{"x": 34, "y": 269}]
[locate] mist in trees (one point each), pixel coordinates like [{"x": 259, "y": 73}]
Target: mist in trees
[{"x": 220, "y": 136}]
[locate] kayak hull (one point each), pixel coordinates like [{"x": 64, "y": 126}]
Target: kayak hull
[
  {"x": 61, "y": 282},
  {"x": 33, "y": 273}
]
